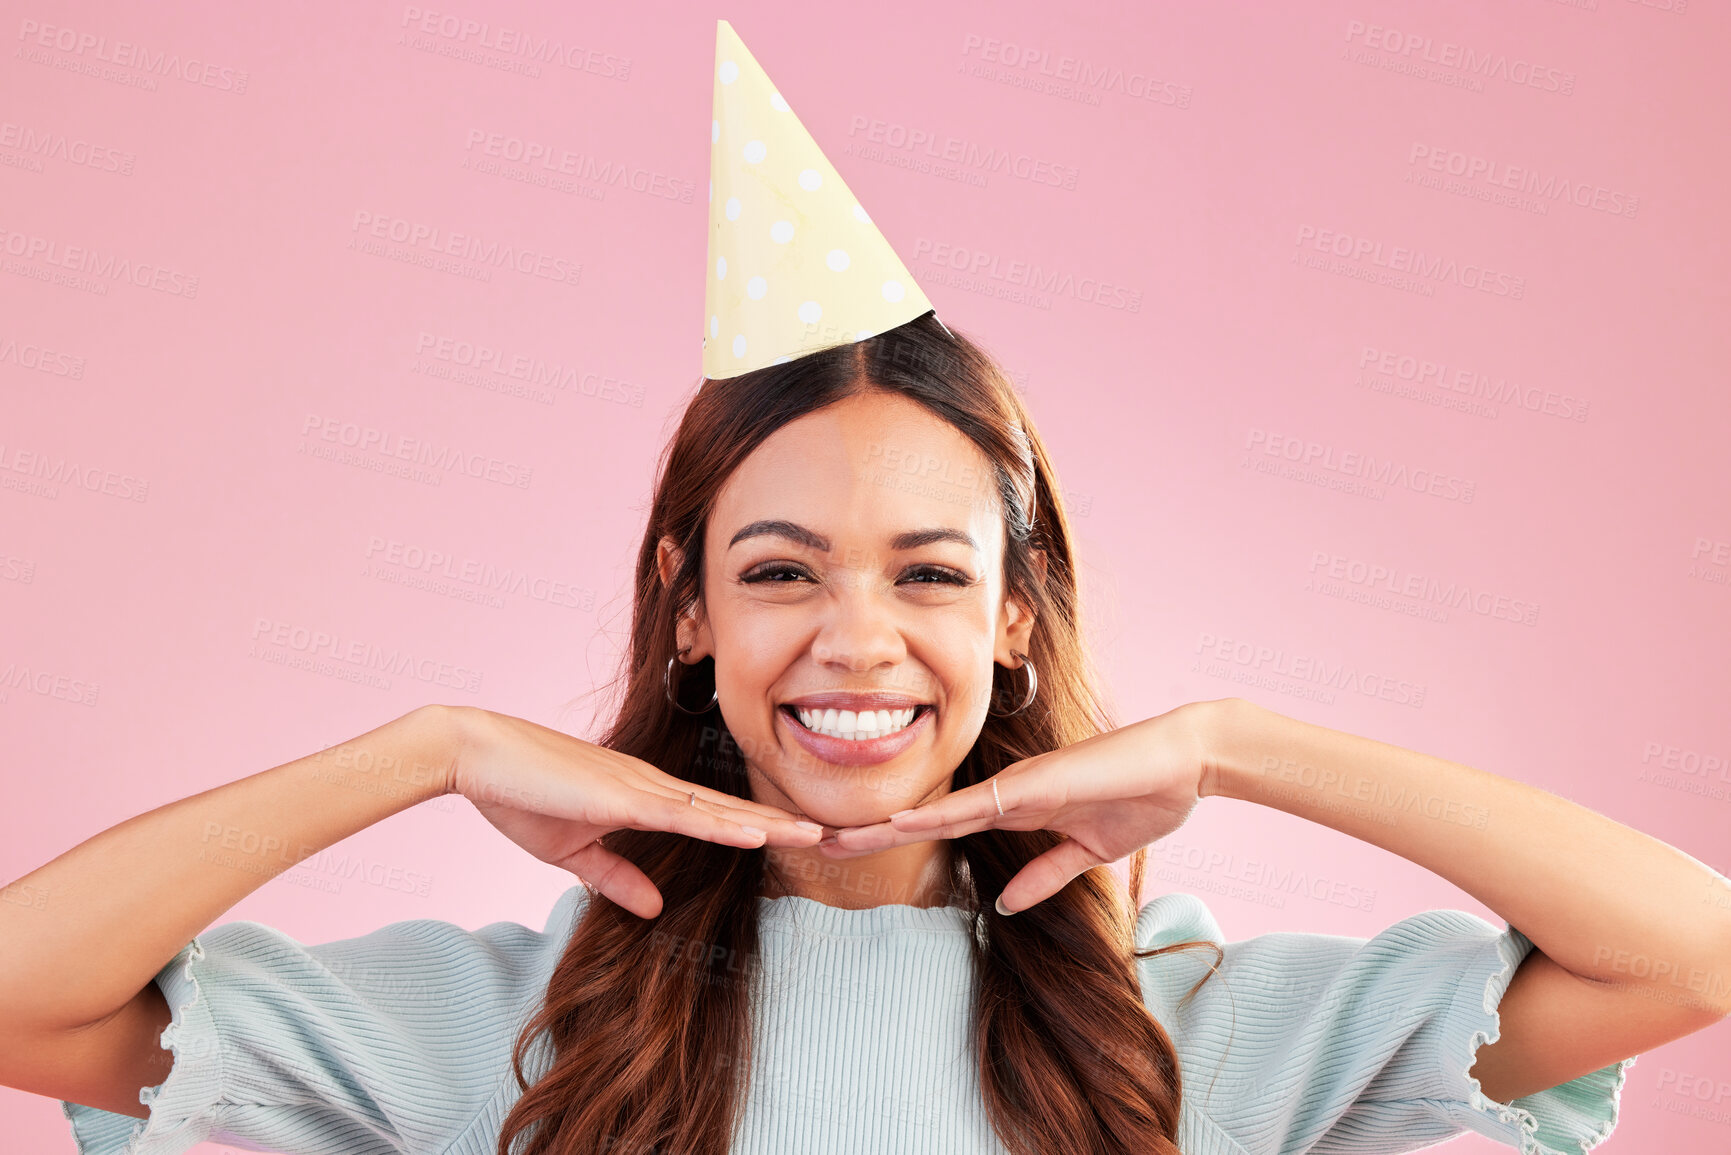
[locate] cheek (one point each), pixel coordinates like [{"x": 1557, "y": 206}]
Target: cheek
[
  {"x": 960, "y": 656},
  {"x": 753, "y": 655},
  {"x": 756, "y": 631},
  {"x": 753, "y": 644}
]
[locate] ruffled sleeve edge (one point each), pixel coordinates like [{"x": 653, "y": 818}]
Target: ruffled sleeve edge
[
  {"x": 1581, "y": 1112},
  {"x": 181, "y": 1106}
]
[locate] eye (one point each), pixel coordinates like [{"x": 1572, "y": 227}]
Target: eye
[
  {"x": 943, "y": 573},
  {"x": 775, "y": 573},
  {"x": 767, "y": 572}
]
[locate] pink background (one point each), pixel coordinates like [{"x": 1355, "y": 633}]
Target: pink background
[{"x": 1219, "y": 148}]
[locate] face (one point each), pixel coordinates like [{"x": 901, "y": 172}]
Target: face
[{"x": 865, "y": 594}]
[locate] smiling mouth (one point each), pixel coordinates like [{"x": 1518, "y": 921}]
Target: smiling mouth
[{"x": 832, "y": 723}]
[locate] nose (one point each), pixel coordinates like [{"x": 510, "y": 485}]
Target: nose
[{"x": 861, "y": 631}]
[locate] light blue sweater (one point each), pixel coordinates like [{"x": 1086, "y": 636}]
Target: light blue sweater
[{"x": 400, "y": 1040}]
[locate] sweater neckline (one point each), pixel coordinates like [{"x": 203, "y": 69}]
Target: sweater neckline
[{"x": 795, "y": 911}]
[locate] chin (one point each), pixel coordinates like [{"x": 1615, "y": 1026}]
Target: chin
[{"x": 861, "y": 796}]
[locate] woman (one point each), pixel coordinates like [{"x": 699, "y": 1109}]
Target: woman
[{"x": 904, "y": 939}]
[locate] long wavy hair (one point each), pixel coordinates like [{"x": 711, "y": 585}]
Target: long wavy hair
[{"x": 650, "y": 1046}]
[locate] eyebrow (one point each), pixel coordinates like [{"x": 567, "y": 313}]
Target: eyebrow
[{"x": 908, "y": 539}]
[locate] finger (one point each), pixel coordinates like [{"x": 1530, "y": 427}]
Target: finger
[
  {"x": 965, "y": 811},
  {"x": 1046, "y": 874},
  {"x": 834, "y": 849},
  {"x": 685, "y": 788},
  {"x": 616, "y": 878},
  {"x": 694, "y": 821},
  {"x": 855, "y": 840},
  {"x": 783, "y": 828}
]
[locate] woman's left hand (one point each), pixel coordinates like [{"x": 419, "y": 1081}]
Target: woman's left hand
[{"x": 1110, "y": 795}]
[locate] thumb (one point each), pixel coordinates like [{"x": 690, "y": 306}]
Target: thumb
[
  {"x": 1046, "y": 875},
  {"x": 617, "y": 879}
]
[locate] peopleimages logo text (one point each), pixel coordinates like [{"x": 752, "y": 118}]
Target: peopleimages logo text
[{"x": 980, "y": 263}]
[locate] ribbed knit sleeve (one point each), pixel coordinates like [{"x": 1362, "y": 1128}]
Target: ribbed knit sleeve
[
  {"x": 1332, "y": 1044},
  {"x": 395, "y": 1041}
]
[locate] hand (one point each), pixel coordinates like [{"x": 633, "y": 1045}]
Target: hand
[
  {"x": 556, "y": 796},
  {"x": 1110, "y": 795}
]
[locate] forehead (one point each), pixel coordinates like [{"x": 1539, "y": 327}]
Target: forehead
[{"x": 866, "y": 467}]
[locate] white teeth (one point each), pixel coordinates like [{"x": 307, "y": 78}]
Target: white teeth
[{"x": 865, "y": 724}]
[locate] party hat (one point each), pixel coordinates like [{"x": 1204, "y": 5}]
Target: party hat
[{"x": 795, "y": 264}]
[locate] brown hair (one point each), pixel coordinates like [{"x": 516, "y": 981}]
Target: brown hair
[{"x": 651, "y": 1050}]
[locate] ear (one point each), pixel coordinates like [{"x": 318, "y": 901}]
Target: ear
[
  {"x": 668, "y": 558},
  {"x": 691, "y": 629},
  {"x": 1018, "y": 621}
]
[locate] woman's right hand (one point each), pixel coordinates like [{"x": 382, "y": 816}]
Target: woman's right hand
[{"x": 556, "y": 796}]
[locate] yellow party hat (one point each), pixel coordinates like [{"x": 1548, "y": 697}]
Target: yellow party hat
[{"x": 795, "y": 264}]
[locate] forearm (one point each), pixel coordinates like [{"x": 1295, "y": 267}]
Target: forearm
[
  {"x": 1606, "y": 902},
  {"x": 116, "y": 908}
]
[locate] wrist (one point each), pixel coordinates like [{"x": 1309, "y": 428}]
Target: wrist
[
  {"x": 438, "y": 734},
  {"x": 1233, "y": 730}
]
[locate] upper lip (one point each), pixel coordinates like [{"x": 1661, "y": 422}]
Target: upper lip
[{"x": 843, "y": 700}]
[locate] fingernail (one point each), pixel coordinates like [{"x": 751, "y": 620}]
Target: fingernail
[
  {"x": 899, "y": 813},
  {"x": 811, "y": 826},
  {"x": 755, "y": 832},
  {"x": 999, "y": 903}
]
